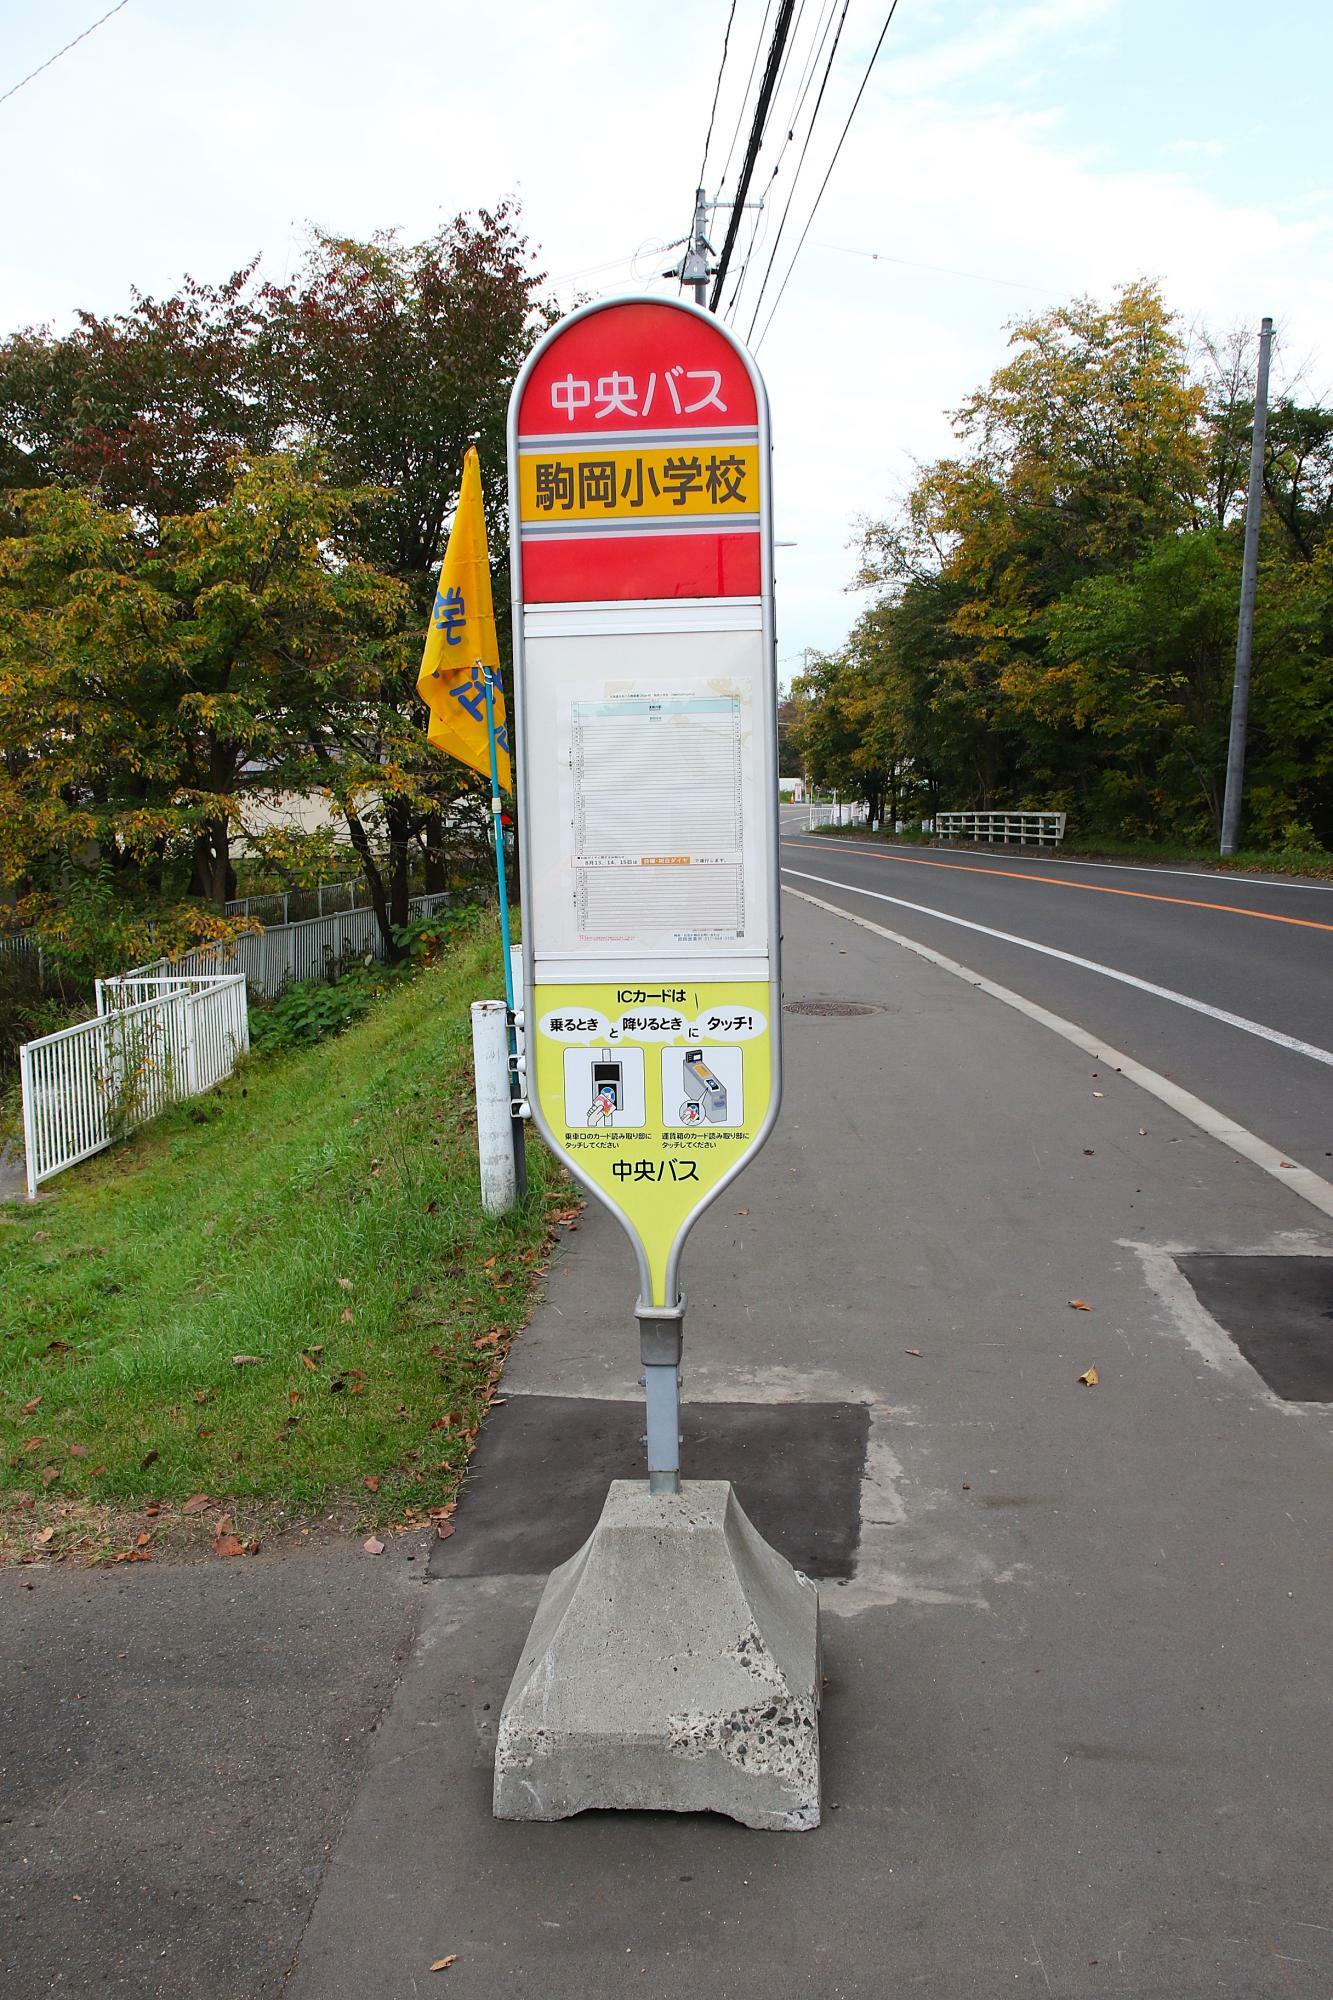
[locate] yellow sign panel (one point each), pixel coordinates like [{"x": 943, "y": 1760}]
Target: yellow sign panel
[
  {"x": 654, "y": 1092},
  {"x": 634, "y": 485}
]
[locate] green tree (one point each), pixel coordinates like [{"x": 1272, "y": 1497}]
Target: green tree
[
  {"x": 382, "y": 359},
  {"x": 1056, "y": 603},
  {"x": 148, "y": 684}
]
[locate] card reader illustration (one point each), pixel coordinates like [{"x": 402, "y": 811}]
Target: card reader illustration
[
  {"x": 705, "y": 1093},
  {"x": 608, "y": 1088}
]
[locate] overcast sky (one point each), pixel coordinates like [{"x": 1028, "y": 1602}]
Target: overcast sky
[{"x": 1004, "y": 157}]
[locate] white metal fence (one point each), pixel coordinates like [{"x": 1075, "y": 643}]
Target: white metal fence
[
  {"x": 1034, "y": 829},
  {"x": 285, "y": 906},
  {"x": 153, "y": 1041},
  {"x": 22, "y": 959},
  {"x": 287, "y": 953},
  {"x": 170, "y": 1030},
  {"x": 850, "y": 812}
]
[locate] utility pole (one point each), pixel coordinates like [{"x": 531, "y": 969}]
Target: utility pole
[
  {"x": 1240, "y": 687},
  {"x": 694, "y": 268}
]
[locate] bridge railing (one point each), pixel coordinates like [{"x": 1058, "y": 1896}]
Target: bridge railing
[{"x": 1028, "y": 829}]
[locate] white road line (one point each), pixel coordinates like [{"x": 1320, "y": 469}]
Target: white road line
[
  {"x": 1217, "y": 875},
  {"x": 1249, "y": 1027},
  {"x": 1300, "y": 1180}
]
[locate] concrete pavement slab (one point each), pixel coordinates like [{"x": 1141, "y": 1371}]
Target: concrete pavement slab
[{"x": 1076, "y": 1732}]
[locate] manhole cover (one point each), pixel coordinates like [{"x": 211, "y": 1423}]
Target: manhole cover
[
  {"x": 1279, "y": 1312},
  {"x": 831, "y": 1007}
]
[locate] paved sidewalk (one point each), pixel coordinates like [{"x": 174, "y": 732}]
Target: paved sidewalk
[
  {"x": 179, "y": 1747},
  {"x": 1077, "y": 1731}
]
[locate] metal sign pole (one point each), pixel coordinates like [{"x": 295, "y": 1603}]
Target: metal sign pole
[{"x": 661, "y": 1340}]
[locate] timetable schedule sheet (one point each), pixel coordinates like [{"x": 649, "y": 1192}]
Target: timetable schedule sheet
[{"x": 658, "y": 810}]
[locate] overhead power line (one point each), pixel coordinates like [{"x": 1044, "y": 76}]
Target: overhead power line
[
  {"x": 874, "y": 57},
  {"x": 62, "y": 52},
  {"x": 790, "y": 126},
  {"x": 795, "y": 181},
  {"x": 942, "y": 270},
  {"x": 717, "y": 92},
  {"x": 745, "y": 94},
  {"x": 767, "y": 85}
]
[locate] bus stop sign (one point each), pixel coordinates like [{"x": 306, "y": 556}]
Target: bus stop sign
[{"x": 647, "y": 736}]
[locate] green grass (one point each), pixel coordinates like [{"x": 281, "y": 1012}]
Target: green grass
[
  {"x": 319, "y": 1212},
  {"x": 1315, "y": 863}
]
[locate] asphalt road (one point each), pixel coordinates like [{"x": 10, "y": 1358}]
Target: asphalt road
[{"x": 1258, "y": 950}]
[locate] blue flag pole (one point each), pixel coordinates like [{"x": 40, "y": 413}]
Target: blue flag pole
[{"x": 497, "y": 827}]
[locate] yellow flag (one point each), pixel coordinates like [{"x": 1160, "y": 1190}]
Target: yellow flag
[{"x": 461, "y": 645}]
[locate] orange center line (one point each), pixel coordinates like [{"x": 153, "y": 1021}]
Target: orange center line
[{"x": 1058, "y": 882}]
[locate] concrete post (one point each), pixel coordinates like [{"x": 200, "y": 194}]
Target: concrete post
[
  {"x": 495, "y": 1147},
  {"x": 1240, "y": 687}
]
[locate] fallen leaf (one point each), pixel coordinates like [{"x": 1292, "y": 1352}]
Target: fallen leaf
[
  {"x": 1143, "y": 1131},
  {"x": 245, "y": 1360},
  {"x": 149, "y": 1458},
  {"x": 78, "y": 1451},
  {"x": 43, "y": 1536},
  {"x": 742, "y": 1211},
  {"x": 228, "y": 1545},
  {"x": 443, "y": 1530},
  {"x": 345, "y": 1284},
  {"x": 142, "y": 1540},
  {"x": 307, "y": 1360},
  {"x": 50, "y": 1473},
  {"x": 1080, "y": 1305},
  {"x": 373, "y": 1546},
  {"x": 29, "y": 1408},
  {"x": 34, "y": 1444},
  {"x": 1291, "y": 1164},
  {"x": 198, "y": 1503},
  {"x": 371, "y": 1482},
  {"x": 443, "y": 1964},
  {"x": 1090, "y": 1379},
  {"x": 913, "y": 1350},
  {"x": 346, "y": 1316}
]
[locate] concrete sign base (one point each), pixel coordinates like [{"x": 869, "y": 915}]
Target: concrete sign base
[{"x": 672, "y": 1666}]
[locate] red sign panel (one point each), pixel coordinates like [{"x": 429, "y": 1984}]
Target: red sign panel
[{"x": 638, "y": 461}]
